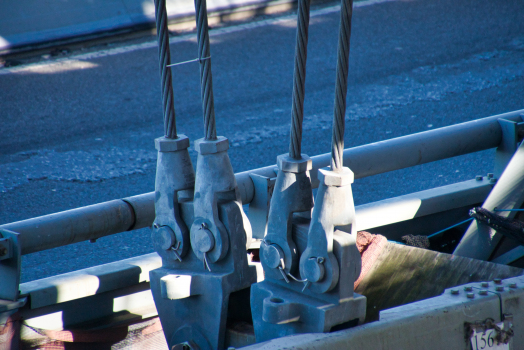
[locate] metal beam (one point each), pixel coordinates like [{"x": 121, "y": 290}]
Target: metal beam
[{"x": 99, "y": 220}]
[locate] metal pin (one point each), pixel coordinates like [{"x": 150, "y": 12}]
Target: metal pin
[
  {"x": 174, "y": 249},
  {"x": 296, "y": 279},
  {"x": 194, "y": 60},
  {"x": 283, "y": 274},
  {"x": 306, "y": 285},
  {"x": 206, "y": 263}
]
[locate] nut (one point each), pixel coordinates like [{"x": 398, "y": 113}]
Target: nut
[
  {"x": 468, "y": 289},
  {"x": 290, "y": 165},
  {"x": 331, "y": 178},
  {"x": 163, "y": 144},
  {"x": 203, "y": 146},
  {"x": 470, "y": 295},
  {"x": 455, "y": 291}
]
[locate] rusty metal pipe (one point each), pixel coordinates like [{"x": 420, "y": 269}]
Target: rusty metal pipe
[{"x": 103, "y": 219}]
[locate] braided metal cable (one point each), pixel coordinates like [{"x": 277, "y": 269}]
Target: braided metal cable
[
  {"x": 337, "y": 141},
  {"x": 164, "y": 57},
  {"x": 299, "y": 79},
  {"x": 206, "y": 80}
]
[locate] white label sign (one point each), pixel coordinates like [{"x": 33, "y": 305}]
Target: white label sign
[{"x": 485, "y": 340}]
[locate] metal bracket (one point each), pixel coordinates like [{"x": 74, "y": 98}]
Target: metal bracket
[
  {"x": 512, "y": 134},
  {"x": 192, "y": 302},
  {"x": 259, "y": 206},
  {"x": 325, "y": 300},
  {"x": 174, "y": 176},
  {"x": 10, "y": 264},
  {"x": 292, "y": 194},
  {"x": 215, "y": 183},
  {"x": 192, "y": 296}
]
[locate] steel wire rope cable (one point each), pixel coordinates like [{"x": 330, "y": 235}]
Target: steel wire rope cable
[
  {"x": 299, "y": 79},
  {"x": 206, "y": 79},
  {"x": 164, "y": 57},
  {"x": 337, "y": 141}
]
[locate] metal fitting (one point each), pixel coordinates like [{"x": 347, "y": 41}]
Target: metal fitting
[
  {"x": 497, "y": 281},
  {"x": 331, "y": 178},
  {"x": 291, "y": 165},
  {"x": 490, "y": 175},
  {"x": 484, "y": 284},
  {"x": 163, "y": 144},
  {"x": 203, "y": 146},
  {"x": 483, "y": 292},
  {"x": 492, "y": 180},
  {"x": 470, "y": 295},
  {"x": 479, "y": 177},
  {"x": 513, "y": 285},
  {"x": 499, "y": 288},
  {"x": 273, "y": 255},
  {"x": 455, "y": 291},
  {"x": 204, "y": 241},
  {"x": 165, "y": 236},
  {"x": 468, "y": 289},
  {"x": 314, "y": 269}
]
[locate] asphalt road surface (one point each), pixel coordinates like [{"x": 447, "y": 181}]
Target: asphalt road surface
[{"x": 80, "y": 130}]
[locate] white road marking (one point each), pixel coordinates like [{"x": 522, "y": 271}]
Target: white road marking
[{"x": 63, "y": 62}]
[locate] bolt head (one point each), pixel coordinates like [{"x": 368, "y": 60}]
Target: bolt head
[
  {"x": 483, "y": 292},
  {"x": 470, "y": 295},
  {"x": 513, "y": 285},
  {"x": 455, "y": 291},
  {"x": 484, "y": 284},
  {"x": 164, "y": 236},
  {"x": 203, "y": 241},
  {"x": 272, "y": 255},
  {"x": 497, "y": 281},
  {"x": 499, "y": 288},
  {"x": 468, "y": 289},
  {"x": 479, "y": 177},
  {"x": 314, "y": 271}
]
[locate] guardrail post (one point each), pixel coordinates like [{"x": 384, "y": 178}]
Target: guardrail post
[{"x": 512, "y": 133}]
